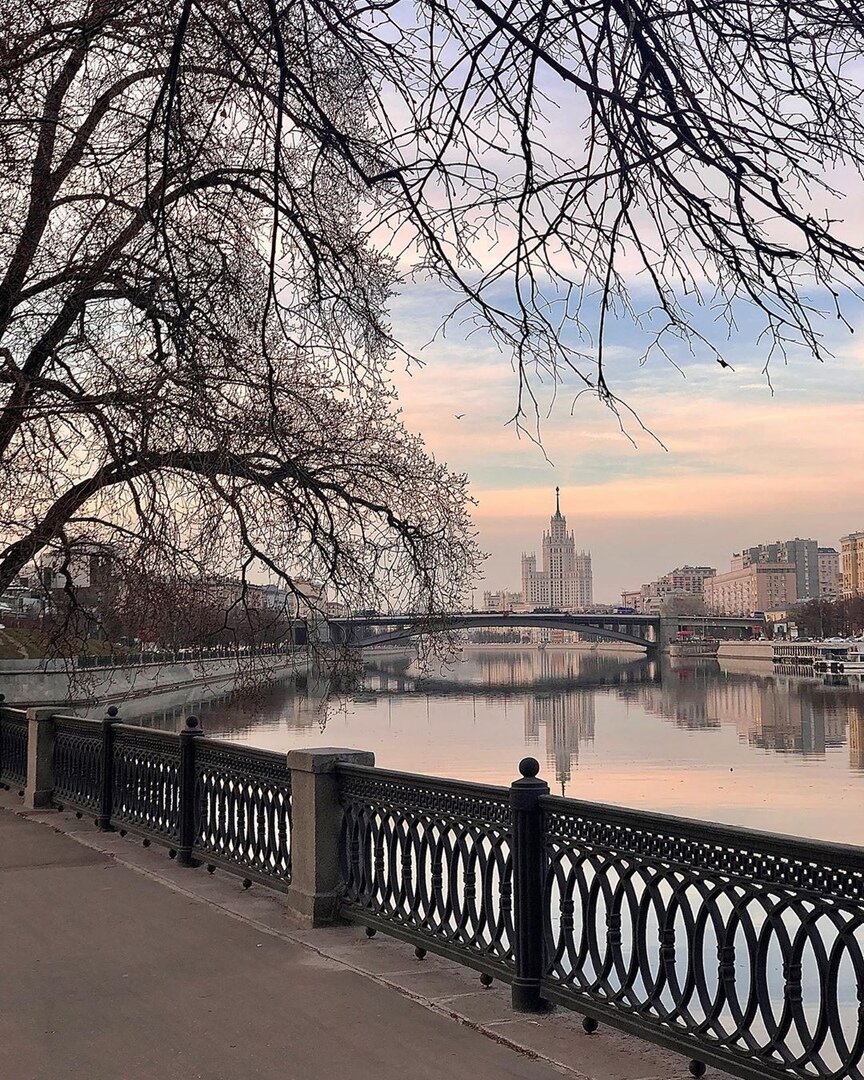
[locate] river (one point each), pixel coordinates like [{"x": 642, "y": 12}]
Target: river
[{"x": 745, "y": 747}]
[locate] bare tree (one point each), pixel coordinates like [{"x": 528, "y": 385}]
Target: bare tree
[
  {"x": 183, "y": 383},
  {"x": 197, "y": 197},
  {"x": 562, "y": 166},
  {"x": 823, "y": 618}
]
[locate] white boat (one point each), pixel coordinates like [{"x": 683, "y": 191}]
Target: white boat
[{"x": 838, "y": 655}]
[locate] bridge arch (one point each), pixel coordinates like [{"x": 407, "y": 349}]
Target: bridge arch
[
  {"x": 652, "y": 632},
  {"x": 414, "y": 628}
]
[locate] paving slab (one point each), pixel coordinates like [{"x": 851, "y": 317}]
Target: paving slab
[
  {"x": 612, "y": 1055},
  {"x": 109, "y": 974},
  {"x": 439, "y": 982},
  {"x": 25, "y": 843},
  {"x": 182, "y": 967}
]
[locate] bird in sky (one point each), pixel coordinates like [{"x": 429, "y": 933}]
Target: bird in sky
[{"x": 459, "y": 415}]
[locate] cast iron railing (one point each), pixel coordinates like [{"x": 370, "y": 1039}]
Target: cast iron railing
[
  {"x": 90, "y": 661},
  {"x": 742, "y": 949},
  {"x": 430, "y": 861},
  {"x": 207, "y": 800},
  {"x": 77, "y": 762},
  {"x": 13, "y": 747},
  {"x": 739, "y": 949},
  {"x": 179, "y": 656},
  {"x": 145, "y": 791},
  {"x": 243, "y": 810}
]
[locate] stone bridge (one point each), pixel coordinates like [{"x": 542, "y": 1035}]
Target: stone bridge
[{"x": 652, "y": 632}]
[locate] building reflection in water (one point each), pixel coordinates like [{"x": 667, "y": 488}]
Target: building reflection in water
[
  {"x": 783, "y": 713},
  {"x": 567, "y": 721},
  {"x": 856, "y": 735},
  {"x": 559, "y": 691}
]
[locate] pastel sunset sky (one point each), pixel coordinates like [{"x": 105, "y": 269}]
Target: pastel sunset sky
[{"x": 741, "y": 461}]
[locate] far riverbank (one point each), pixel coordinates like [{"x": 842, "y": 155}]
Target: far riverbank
[{"x": 62, "y": 685}]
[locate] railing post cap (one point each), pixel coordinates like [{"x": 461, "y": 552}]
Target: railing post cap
[
  {"x": 42, "y": 713},
  {"x": 325, "y": 759},
  {"x": 112, "y": 713},
  {"x": 192, "y": 726},
  {"x": 529, "y": 785}
]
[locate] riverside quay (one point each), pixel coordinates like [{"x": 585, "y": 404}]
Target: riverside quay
[{"x": 739, "y": 950}]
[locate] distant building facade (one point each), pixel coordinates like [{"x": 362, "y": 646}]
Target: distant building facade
[
  {"x": 683, "y": 581},
  {"x": 758, "y": 586},
  {"x": 88, "y": 572},
  {"x": 501, "y": 600},
  {"x": 565, "y": 581},
  {"x": 852, "y": 554},
  {"x": 303, "y": 599},
  {"x": 633, "y": 598},
  {"x": 87, "y": 566},
  {"x": 802, "y": 554},
  {"x": 830, "y": 577},
  {"x": 25, "y": 597}
]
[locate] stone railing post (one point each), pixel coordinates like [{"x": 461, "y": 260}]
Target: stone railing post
[
  {"x": 316, "y": 823},
  {"x": 106, "y": 780},
  {"x": 188, "y": 737},
  {"x": 2, "y": 704},
  {"x": 528, "y": 875},
  {"x": 39, "y": 789}
]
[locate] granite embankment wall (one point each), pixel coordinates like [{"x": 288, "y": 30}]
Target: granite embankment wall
[
  {"x": 59, "y": 682},
  {"x": 746, "y": 650}
]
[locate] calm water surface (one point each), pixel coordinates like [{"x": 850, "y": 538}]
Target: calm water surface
[{"x": 770, "y": 751}]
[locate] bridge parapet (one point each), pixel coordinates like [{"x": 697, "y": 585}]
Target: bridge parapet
[{"x": 653, "y": 632}]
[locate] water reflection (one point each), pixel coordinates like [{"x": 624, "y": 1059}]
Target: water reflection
[
  {"x": 785, "y": 713},
  {"x": 781, "y": 751}
]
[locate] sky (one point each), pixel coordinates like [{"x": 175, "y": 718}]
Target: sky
[
  {"x": 729, "y": 459},
  {"x": 742, "y": 461}
]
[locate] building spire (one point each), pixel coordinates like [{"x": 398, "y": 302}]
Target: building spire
[{"x": 557, "y": 502}]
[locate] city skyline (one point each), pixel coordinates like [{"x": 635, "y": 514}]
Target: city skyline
[
  {"x": 744, "y": 459},
  {"x": 735, "y": 559}
]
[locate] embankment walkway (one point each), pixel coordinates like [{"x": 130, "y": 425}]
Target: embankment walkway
[{"x": 116, "y": 964}]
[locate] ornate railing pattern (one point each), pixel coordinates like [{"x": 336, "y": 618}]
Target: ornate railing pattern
[
  {"x": 430, "y": 861},
  {"x": 13, "y": 746},
  {"x": 740, "y": 949},
  {"x": 743, "y": 950},
  {"x": 146, "y": 790},
  {"x": 243, "y": 810},
  {"x": 225, "y": 804},
  {"x": 77, "y": 762}
]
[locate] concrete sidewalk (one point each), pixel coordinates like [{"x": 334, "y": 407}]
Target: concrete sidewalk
[{"x": 116, "y": 964}]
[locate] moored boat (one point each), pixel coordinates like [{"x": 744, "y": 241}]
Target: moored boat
[{"x": 840, "y": 655}]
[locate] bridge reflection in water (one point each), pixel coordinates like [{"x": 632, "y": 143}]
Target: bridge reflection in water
[{"x": 779, "y": 752}]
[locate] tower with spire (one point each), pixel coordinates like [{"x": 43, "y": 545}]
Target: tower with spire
[{"x": 565, "y": 580}]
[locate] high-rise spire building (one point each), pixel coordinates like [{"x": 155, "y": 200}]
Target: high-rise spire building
[{"x": 565, "y": 581}]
